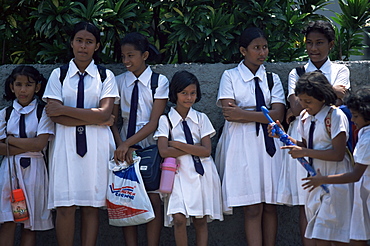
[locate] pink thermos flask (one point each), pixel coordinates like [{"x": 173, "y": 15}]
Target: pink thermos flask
[{"x": 169, "y": 167}]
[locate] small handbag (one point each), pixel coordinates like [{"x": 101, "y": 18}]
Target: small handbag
[
  {"x": 17, "y": 197},
  {"x": 149, "y": 166}
]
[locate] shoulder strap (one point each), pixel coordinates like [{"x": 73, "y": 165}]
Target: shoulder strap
[
  {"x": 64, "y": 69},
  {"x": 270, "y": 80},
  {"x": 8, "y": 111},
  {"x": 154, "y": 82},
  {"x": 40, "y": 108},
  {"x": 169, "y": 132},
  {"x": 103, "y": 72},
  {"x": 328, "y": 121},
  {"x": 63, "y": 73},
  {"x": 300, "y": 70}
]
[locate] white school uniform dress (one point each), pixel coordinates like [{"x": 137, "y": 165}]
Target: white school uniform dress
[
  {"x": 192, "y": 194},
  {"x": 125, "y": 82},
  {"x": 33, "y": 180},
  {"x": 290, "y": 190},
  {"x": 76, "y": 180},
  {"x": 328, "y": 214},
  {"x": 360, "y": 221},
  {"x": 250, "y": 174}
]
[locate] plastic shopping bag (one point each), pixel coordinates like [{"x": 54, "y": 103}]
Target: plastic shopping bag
[{"x": 127, "y": 201}]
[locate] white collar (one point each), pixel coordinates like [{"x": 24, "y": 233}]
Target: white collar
[
  {"x": 24, "y": 110},
  {"x": 176, "y": 118},
  {"x": 247, "y": 75},
  {"x": 144, "y": 78}
]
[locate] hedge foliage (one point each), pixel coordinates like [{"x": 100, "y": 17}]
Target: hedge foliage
[{"x": 204, "y": 31}]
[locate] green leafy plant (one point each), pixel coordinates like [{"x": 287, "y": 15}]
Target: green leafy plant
[{"x": 352, "y": 22}]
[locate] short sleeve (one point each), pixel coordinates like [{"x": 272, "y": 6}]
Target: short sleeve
[
  {"x": 162, "y": 90},
  {"x": 53, "y": 87},
  {"x": 339, "y": 123},
  {"x": 361, "y": 153},
  {"x": 292, "y": 80},
  {"x": 45, "y": 126},
  {"x": 206, "y": 127},
  {"x": 110, "y": 88},
  {"x": 226, "y": 90},
  {"x": 342, "y": 77},
  {"x": 277, "y": 92},
  {"x": 2, "y": 124},
  {"x": 163, "y": 128}
]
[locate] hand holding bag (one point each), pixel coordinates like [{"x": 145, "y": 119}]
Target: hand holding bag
[{"x": 127, "y": 200}]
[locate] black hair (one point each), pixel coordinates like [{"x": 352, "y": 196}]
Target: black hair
[
  {"x": 138, "y": 40},
  {"x": 28, "y": 71},
  {"x": 359, "y": 101},
  {"x": 249, "y": 34},
  {"x": 180, "y": 81},
  {"x": 91, "y": 28},
  {"x": 320, "y": 26},
  {"x": 316, "y": 85}
]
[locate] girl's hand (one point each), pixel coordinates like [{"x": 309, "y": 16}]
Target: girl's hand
[
  {"x": 110, "y": 122},
  {"x": 54, "y": 108},
  {"x": 120, "y": 153},
  {"x": 270, "y": 128},
  {"x": 232, "y": 112},
  {"x": 289, "y": 116},
  {"x": 129, "y": 158},
  {"x": 313, "y": 181},
  {"x": 295, "y": 151},
  {"x": 339, "y": 90}
]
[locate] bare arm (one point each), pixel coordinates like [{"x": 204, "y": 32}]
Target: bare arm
[
  {"x": 35, "y": 144},
  {"x": 336, "y": 153},
  {"x": 123, "y": 151},
  {"x": 12, "y": 149},
  {"x": 70, "y": 116},
  {"x": 354, "y": 176},
  {"x": 176, "y": 148},
  {"x": 234, "y": 113}
]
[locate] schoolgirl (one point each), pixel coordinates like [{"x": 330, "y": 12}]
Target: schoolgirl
[
  {"x": 328, "y": 214},
  {"x": 27, "y": 130},
  {"x": 248, "y": 159},
  {"x": 196, "y": 194},
  {"x": 81, "y": 106},
  {"x": 319, "y": 39},
  {"x": 359, "y": 104},
  {"x": 136, "y": 134}
]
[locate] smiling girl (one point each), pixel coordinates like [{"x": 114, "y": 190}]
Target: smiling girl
[
  {"x": 81, "y": 106},
  {"x": 249, "y": 160},
  {"x": 359, "y": 104},
  {"x": 328, "y": 214},
  {"x": 196, "y": 193},
  {"x": 319, "y": 40},
  {"x": 138, "y": 127}
]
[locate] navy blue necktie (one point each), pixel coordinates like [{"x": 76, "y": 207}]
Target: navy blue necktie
[
  {"x": 133, "y": 110},
  {"x": 81, "y": 145},
  {"x": 260, "y": 101},
  {"x": 310, "y": 139},
  {"x": 22, "y": 127},
  {"x": 189, "y": 140}
]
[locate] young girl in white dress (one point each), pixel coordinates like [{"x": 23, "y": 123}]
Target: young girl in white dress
[
  {"x": 319, "y": 39},
  {"x": 359, "y": 104},
  {"x": 79, "y": 176},
  {"x": 328, "y": 214},
  {"x": 196, "y": 194},
  {"x": 24, "y": 87},
  {"x": 135, "y": 52},
  {"x": 250, "y": 174}
]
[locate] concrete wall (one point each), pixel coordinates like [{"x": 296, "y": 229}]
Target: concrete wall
[{"x": 231, "y": 230}]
